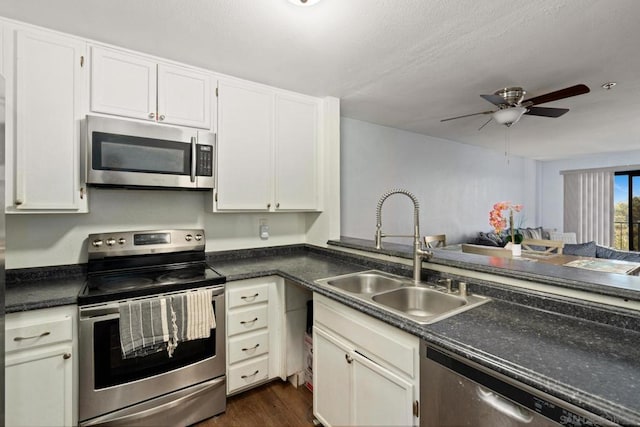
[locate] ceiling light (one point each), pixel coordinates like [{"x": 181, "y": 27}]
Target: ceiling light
[
  {"x": 509, "y": 116},
  {"x": 304, "y": 2},
  {"x": 608, "y": 85}
]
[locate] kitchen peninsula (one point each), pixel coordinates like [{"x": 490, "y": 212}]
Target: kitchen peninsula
[{"x": 580, "y": 352}]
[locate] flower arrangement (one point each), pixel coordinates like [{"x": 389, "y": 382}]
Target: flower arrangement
[{"x": 499, "y": 223}]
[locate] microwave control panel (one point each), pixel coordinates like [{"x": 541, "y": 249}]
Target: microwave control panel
[{"x": 204, "y": 156}]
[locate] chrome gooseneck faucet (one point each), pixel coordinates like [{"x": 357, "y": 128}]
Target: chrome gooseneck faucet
[{"x": 418, "y": 252}]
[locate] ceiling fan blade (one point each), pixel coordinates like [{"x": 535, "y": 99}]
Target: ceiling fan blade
[
  {"x": 485, "y": 123},
  {"x": 546, "y": 111},
  {"x": 494, "y": 99},
  {"x": 467, "y": 115},
  {"x": 558, "y": 94}
]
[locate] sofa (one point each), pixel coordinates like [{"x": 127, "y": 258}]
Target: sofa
[
  {"x": 591, "y": 249},
  {"x": 539, "y": 233},
  {"x": 588, "y": 249}
]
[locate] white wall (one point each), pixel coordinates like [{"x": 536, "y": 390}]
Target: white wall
[
  {"x": 42, "y": 240},
  {"x": 551, "y": 182},
  {"x": 456, "y": 184}
]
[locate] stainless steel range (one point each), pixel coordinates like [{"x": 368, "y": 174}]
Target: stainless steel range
[{"x": 180, "y": 387}]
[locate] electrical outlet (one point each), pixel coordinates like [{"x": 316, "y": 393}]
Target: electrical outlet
[{"x": 264, "y": 229}]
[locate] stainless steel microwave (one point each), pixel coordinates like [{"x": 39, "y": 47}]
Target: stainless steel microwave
[{"x": 133, "y": 154}]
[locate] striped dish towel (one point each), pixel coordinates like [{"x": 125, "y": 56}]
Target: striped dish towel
[
  {"x": 200, "y": 316},
  {"x": 144, "y": 326},
  {"x": 149, "y": 326}
]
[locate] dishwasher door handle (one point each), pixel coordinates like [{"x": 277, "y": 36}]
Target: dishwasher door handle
[{"x": 505, "y": 406}]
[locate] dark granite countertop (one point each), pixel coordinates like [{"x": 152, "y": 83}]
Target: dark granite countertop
[
  {"x": 43, "y": 287},
  {"x": 617, "y": 285},
  {"x": 591, "y": 365}
]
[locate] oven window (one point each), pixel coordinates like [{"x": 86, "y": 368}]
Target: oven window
[
  {"x": 111, "y": 369},
  {"x": 137, "y": 154}
]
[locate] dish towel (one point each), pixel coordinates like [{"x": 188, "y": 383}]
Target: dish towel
[
  {"x": 200, "y": 316},
  {"x": 149, "y": 326},
  {"x": 144, "y": 326}
]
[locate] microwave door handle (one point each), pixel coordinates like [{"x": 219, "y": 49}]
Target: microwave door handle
[{"x": 193, "y": 159}]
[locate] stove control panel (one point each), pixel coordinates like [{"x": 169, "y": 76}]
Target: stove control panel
[{"x": 124, "y": 243}]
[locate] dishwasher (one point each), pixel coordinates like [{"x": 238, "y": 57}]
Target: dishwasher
[{"x": 457, "y": 392}]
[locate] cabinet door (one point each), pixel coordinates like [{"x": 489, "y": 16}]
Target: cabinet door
[
  {"x": 123, "y": 84},
  {"x": 245, "y": 136},
  {"x": 184, "y": 97},
  {"x": 39, "y": 387},
  {"x": 331, "y": 379},
  {"x": 49, "y": 92},
  {"x": 379, "y": 396},
  {"x": 296, "y": 160}
]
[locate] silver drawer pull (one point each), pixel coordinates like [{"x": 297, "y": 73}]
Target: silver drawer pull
[
  {"x": 251, "y": 348},
  {"x": 252, "y": 375},
  {"x": 244, "y": 322},
  {"x": 44, "y": 334},
  {"x": 250, "y": 296}
]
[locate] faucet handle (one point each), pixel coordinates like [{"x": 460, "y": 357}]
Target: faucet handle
[{"x": 447, "y": 282}]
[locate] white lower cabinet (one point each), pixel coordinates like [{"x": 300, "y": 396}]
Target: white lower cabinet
[
  {"x": 254, "y": 331},
  {"x": 365, "y": 372},
  {"x": 40, "y": 368}
]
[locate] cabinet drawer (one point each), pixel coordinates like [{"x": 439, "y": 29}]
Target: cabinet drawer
[
  {"x": 246, "y": 319},
  {"x": 247, "y": 295},
  {"x": 245, "y": 346},
  {"x": 19, "y": 337},
  {"x": 247, "y": 373}
]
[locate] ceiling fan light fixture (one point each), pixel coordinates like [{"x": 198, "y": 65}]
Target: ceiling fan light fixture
[
  {"x": 509, "y": 116},
  {"x": 304, "y": 3}
]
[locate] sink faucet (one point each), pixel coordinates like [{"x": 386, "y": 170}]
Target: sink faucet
[{"x": 418, "y": 252}]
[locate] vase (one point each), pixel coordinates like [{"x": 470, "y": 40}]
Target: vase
[{"x": 516, "y": 249}]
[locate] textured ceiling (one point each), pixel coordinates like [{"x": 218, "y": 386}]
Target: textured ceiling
[{"x": 400, "y": 63}]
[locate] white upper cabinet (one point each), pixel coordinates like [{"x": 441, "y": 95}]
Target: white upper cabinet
[
  {"x": 245, "y": 142},
  {"x": 135, "y": 86},
  {"x": 121, "y": 84},
  {"x": 49, "y": 89},
  {"x": 184, "y": 96},
  {"x": 296, "y": 130},
  {"x": 268, "y": 156}
]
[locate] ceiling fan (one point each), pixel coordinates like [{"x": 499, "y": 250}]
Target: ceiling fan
[{"x": 511, "y": 106}]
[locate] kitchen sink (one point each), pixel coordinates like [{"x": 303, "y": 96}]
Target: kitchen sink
[
  {"x": 424, "y": 303},
  {"x": 366, "y": 283},
  {"x": 420, "y": 302}
]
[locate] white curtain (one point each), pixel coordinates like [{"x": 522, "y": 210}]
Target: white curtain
[{"x": 588, "y": 205}]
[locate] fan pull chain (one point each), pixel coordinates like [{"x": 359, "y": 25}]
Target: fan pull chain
[{"x": 506, "y": 145}]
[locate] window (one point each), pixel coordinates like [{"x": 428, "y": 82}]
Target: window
[{"x": 627, "y": 210}]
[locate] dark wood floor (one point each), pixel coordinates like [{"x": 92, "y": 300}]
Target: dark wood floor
[{"x": 277, "y": 403}]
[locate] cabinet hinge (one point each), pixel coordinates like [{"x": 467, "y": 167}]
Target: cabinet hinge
[
  {"x": 216, "y": 197},
  {"x": 81, "y": 60},
  {"x": 416, "y": 409},
  {"x": 216, "y": 92}
]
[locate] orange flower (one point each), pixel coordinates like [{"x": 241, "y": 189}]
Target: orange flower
[{"x": 496, "y": 220}]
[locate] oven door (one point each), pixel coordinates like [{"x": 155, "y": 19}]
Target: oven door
[
  {"x": 108, "y": 382},
  {"x": 127, "y": 153}
]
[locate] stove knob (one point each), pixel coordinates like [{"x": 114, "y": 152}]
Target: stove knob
[
  {"x": 188, "y": 237},
  {"x": 111, "y": 241},
  {"x": 122, "y": 240},
  {"x": 97, "y": 243},
  {"x": 198, "y": 237}
]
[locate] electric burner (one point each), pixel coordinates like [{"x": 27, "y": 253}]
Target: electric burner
[{"x": 136, "y": 264}]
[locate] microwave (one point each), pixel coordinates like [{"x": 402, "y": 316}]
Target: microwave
[{"x": 133, "y": 154}]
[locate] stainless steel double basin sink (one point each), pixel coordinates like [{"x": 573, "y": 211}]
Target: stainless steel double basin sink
[{"x": 423, "y": 303}]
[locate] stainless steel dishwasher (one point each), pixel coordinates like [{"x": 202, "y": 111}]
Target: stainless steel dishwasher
[{"x": 457, "y": 392}]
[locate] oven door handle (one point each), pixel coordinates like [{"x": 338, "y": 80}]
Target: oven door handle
[{"x": 125, "y": 417}]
